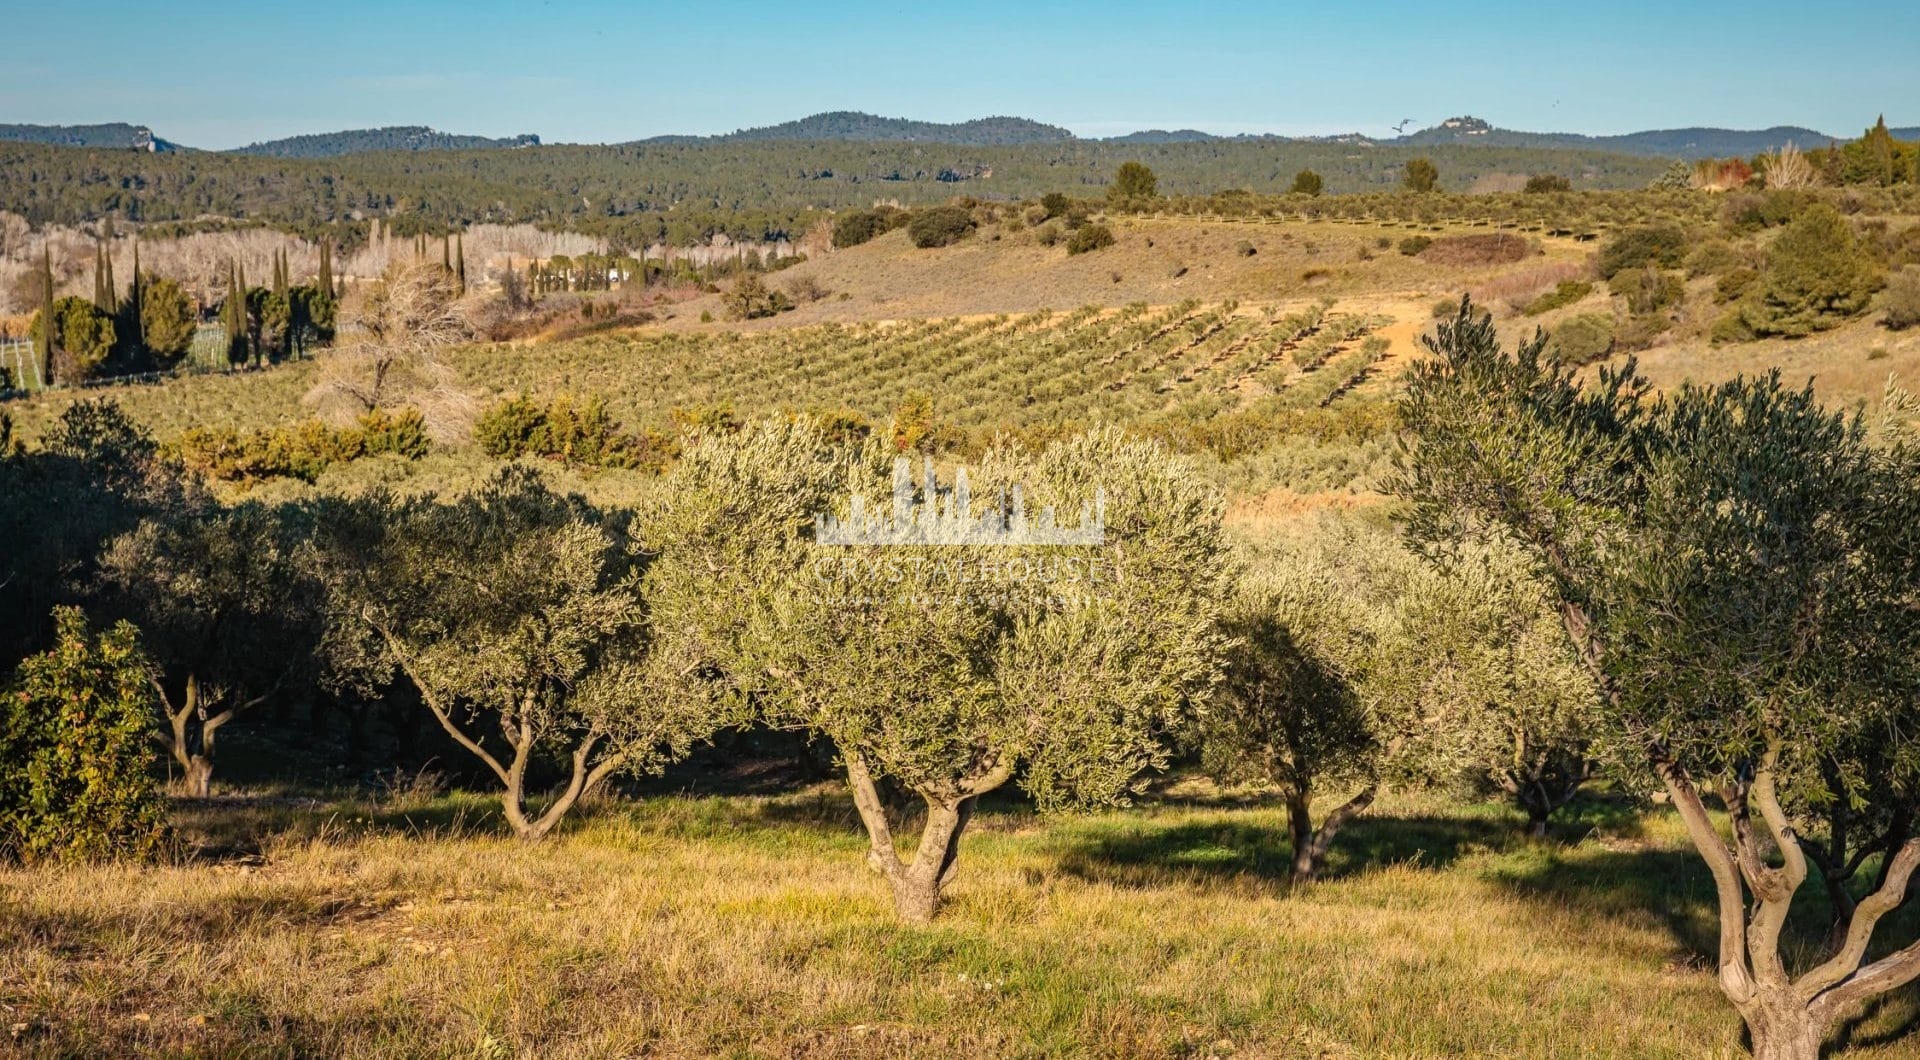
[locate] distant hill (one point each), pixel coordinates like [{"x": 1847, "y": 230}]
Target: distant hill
[
  {"x": 391, "y": 138},
  {"x": 1662, "y": 143},
  {"x": 1164, "y": 136},
  {"x": 853, "y": 125},
  {"x": 114, "y": 135}
]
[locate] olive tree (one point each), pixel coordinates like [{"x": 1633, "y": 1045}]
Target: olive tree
[
  {"x": 521, "y": 618},
  {"x": 1290, "y": 713},
  {"x": 1504, "y": 698},
  {"x": 1735, "y": 567},
  {"x": 949, "y": 670},
  {"x": 225, "y": 613}
]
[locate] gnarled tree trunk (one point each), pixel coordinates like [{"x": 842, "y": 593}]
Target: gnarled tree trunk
[
  {"x": 191, "y": 729},
  {"x": 918, "y": 884},
  {"x": 1310, "y": 844}
]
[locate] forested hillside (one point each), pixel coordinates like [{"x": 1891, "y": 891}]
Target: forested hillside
[
  {"x": 686, "y": 192},
  {"x": 390, "y": 138}
]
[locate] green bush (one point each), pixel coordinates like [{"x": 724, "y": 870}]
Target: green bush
[
  {"x": 1729, "y": 328},
  {"x": 1817, "y": 276},
  {"x": 76, "y": 728},
  {"x": 751, "y": 299},
  {"x": 1656, "y": 246},
  {"x": 859, "y": 226},
  {"x": 1055, "y": 204},
  {"x": 1647, "y": 290},
  {"x": 1545, "y": 183},
  {"x": 1307, "y": 182},
  {"x": 570, "y": 431},
  {"x": 1735, "y": 285},
  {"x": 1414, "y": 245},
  {"x": 300, "y": 451},
  {"x": 1089, "y": 237},
  {"x": 1582, "y": 339},
  {"x": 939, "y": 226},
  {"x": 1565, "y": 294},
  {"x": 1753, "y": 212},
  {"x": 1902, "y": 300}
]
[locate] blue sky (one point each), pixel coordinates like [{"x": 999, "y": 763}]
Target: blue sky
[{"x": 221, "y": 74}]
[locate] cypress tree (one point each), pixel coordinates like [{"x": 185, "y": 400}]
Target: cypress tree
[
  {"x": 460, "y": 265},
  {"x": 136, "y": 328},
  {"x": 112, "y": 304},
  {"x": 446, "y": 254},
  {"x": 99, "y": 280},
  {"x": 326, "y": 267},
  {"x": 46, "y": 341}
]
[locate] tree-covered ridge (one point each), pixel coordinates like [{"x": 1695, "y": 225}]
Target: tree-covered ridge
[
  {"x": 388, "y": 138},
  {"x": 114, "y": 134},
  {"x": 682, "y": 192},
  {"x": 998, "y": 130}
]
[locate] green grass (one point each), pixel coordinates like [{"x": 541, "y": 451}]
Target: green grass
[{"x": 748, "y": 926}]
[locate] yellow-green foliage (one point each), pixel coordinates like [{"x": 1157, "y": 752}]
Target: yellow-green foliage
[
  {"x": 300, "y": 451},
  {"x": 74, "y": 734},
  {"x": 569, "y": 430}
]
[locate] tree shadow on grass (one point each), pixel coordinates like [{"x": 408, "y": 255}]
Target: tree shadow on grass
[{"x": 1148, "y": 853}]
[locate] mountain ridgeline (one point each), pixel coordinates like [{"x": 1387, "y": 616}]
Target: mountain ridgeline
[
  {"x": 390, "y": 138},
  {"x": 996, "y": 131}
]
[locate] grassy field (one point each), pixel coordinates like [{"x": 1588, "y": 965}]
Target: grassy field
[{"x": 747, "y": 926}]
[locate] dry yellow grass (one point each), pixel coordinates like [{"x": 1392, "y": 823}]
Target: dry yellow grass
[{"x": 748, "y": 927}]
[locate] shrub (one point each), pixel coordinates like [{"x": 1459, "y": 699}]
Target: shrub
[
  {"x": 1089, "y": 237},
  {"x": 1307, "y": 182},
  {"x": 1753, "y": 212},
  {"x": 1565, "y": 294},
  {"x": 1734, "y": 285},
  {"x": 1420, "y": 176},
  {"x": 1496, "y": 249},
  {"x": 1413, "y": 245},
  {"x": 1638, "y": 332},
  {"x": 1657, "y": 246},
  {"x": 1712, "y": 257},
  {"x": 1817, "y": 276},
  {"x": 807, "y": 289},
  {"x": 1544, "y": 183},
  {"x": 75, "y": 729},
  {"x": 1731, "y": 327},
  {"x": 750, "y": 299},
  {"x": 1055, "y": 204},
  {"x": 1582, "y": 339},
  {"x": 1647, "y": 290},
  {"x": 859, "y": 226},
  {"x": 1245, "y": 249},
  {"x": 568, "y": 430},
  {"x": 1902, "y": 300},
  {"x": 939, "y": 226},
  {"x": 301, "y": 451}
]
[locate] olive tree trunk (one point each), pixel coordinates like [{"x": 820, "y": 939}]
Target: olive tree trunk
[
  {"x": 1310, "y": 844},
  {"x": 918, "y": 884},
  {"x": 1787, "y": 1017},
  {"x": 191, "y": 728}
]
